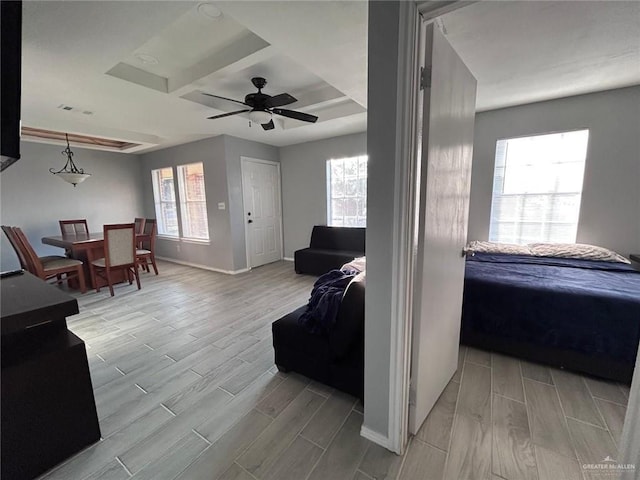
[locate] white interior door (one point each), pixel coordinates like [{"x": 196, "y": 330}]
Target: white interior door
[
  {"x": 443, "y": 206},
  {"x": 262, "y": 210}
]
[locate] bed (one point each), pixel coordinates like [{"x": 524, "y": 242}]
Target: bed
[{"x": 582, "y": 315}]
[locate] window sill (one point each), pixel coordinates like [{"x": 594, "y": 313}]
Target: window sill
[
  {"x": 167, "y": 237},
  {"x": 196, "y": 241}
]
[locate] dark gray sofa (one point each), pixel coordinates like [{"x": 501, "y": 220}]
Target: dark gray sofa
[
  {"x": 335, "y": 358},
  {"x": 330, "y": 248}
]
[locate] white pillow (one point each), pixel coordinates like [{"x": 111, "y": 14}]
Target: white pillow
[
  {"x": 358, "y": 264},
  {"x": 576, "y": 250},
  {"x": 493, "y": 247}
]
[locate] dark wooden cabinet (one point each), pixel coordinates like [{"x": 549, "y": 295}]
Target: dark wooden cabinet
[{"x": 48, "y": 411}]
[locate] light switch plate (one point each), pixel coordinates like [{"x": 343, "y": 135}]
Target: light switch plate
[{"x": 222, "y": 206}]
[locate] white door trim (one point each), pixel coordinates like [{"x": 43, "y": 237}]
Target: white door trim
[
  {"x": 243, "y": 161},
  {"x": 409, "y": 132}
]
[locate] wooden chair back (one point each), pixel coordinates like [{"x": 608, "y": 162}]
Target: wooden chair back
[
  {"x": 139, "y": 222},
  {"x": 73, "y": 227},
  {"x": 34, "y": 265},
  {"x": 55, "y": 268},
  {"x": 15, "y": 244},
  {"x": 119, "y": 245},
  {"x": 150, "y": 232}
]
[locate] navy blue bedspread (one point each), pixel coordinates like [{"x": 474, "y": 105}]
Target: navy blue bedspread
[{"x": 582, "y": 305}]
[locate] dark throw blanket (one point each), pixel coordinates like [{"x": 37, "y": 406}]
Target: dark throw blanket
[{"x": 324, "y": 303}]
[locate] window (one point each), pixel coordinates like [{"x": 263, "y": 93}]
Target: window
[
  {"x": 347, "y": 192},
  {"x": 164, "y": 196},
  {"x": 537, "y": 187},
  {"x": 193, "y": 204}
]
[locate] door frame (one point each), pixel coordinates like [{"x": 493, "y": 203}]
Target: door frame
[
  {"x": 412, "y": 21},
  {"x": 243, "y": 162}
]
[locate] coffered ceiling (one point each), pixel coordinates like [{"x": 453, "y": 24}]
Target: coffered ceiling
[{"x": 136, "y": 71}]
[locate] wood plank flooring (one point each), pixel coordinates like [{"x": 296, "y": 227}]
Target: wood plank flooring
[{"x": 186, "y": 389}]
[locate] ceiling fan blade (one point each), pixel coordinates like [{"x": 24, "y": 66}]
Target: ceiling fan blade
[
  {"x": 227, "y": 114},
  {"x": 224, "y": 98},
  {"x": 305, "y": 117},
  {"x": 268, "y": 126},
  {"x": 280, "y": 100}
]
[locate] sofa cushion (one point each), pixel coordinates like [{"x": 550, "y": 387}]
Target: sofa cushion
[
  {"x": 319, "y": 261},
  {"x": 338, "y": 238}
]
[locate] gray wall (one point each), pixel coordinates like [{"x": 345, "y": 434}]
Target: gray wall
[
  {"x": 610, "y": 209},
  {"x": 381, "y": 147},
  {"x": 35, "y": 200},
  {"x": 304, "y": 184},
  {"x": 223, "y": 183}
]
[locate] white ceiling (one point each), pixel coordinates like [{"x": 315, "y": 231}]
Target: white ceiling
[
  {"x": 529, "y": 51},
  {"x": 84, "y": 55}
]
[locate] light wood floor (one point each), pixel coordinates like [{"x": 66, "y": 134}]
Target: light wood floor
[{"x": 186, "y": 388}]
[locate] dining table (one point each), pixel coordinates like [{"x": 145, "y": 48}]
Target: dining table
[{"x": 88, "y": 247}]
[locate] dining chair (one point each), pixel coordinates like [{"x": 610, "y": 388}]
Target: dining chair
[
  {"x": 13, "y": 240},
  {"x": 146, "y": 252},
  {"x": 139, "y": 222},
  {"x": 51, "y": 268},
  {"x": 119, "y": 254},
  {"x": 73, "y": 227}
]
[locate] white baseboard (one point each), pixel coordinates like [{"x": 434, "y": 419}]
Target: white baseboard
[
  {"x": 203, "y": 267},
  {"x": 376, "y": 437},
  {"x": 288, "y": 259}
]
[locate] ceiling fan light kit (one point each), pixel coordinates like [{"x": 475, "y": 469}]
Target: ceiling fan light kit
[
  {"x": 260, "y": 116},
  {"x": 263, "y": 106}
]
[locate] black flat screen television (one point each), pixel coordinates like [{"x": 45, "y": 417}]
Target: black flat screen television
[{"x": 10, "y": 78}]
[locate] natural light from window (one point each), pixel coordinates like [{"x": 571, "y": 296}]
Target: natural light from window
[
  {"x": 537, "y": 187},
  {"x": 193, "y": 203},
  {"x": 164, "y": 196},
  {"x": 347, "y": 192}
]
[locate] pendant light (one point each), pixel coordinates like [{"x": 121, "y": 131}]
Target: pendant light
[{"x": 70, "y": 173}]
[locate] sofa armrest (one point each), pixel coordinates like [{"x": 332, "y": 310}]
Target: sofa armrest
[{"x": 348, "y": 330}]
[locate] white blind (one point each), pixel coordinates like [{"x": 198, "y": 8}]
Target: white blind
[
  {"x": 347, "y": 192},
  {"x": 537, "y": 187},
  {"x": 164, "y": 197},
  {"x": 193, "y": 202}
]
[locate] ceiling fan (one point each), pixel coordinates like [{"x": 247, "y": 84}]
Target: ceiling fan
[{"x": 263, "y": 106}]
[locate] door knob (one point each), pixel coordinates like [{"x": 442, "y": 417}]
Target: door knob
[{"x": 250, "y": 221}]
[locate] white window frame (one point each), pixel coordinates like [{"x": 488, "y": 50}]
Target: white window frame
[
  {"x": 183, "y": 217},
  {"x": 361, "y": 198},
  {"x": 536, "y": 192},
  {"x": 158, "y": 202}
]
